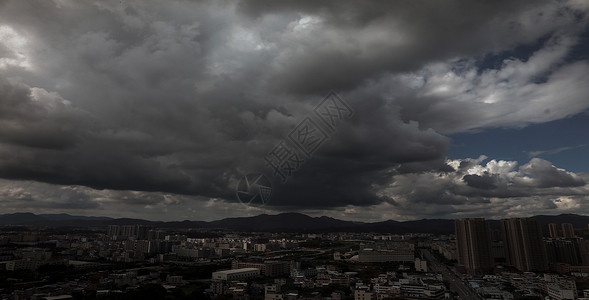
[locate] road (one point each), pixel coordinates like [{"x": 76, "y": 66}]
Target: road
[{"x": 456, "y": 284}]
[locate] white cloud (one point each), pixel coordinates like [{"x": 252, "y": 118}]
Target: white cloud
[
  {"x": 17, "y": 46},
  {"x": 489, "y": 189},
  {"x": 553, "y": 151},
  {"x": 458, "y": 96}
]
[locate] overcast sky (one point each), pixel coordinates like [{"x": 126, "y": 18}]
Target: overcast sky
[{"x": 156, "y": 109}]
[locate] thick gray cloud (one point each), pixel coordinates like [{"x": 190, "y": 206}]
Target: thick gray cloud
[
  {"x": 475, "y": 186},
  {"x": 544, "y": 174},
  {"x": 485, "y": 181},
  {"x": 182, "y": 98},
  {"x": 368, "y": 39}
]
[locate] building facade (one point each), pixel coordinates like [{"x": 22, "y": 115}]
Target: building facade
[
  {"x": 524, "y": 246},
  {"x": 473, "y": 245}
]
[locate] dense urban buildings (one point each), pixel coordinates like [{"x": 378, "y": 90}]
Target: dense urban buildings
[
  {"x": 388, "y": 252},
  {"x": 267, "y": 268},
  {"x": 478, "y": 258}
]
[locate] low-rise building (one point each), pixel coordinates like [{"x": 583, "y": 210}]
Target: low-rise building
[
  {"x": 236, "y": 274},
  {"x": 555, "y": 292}
]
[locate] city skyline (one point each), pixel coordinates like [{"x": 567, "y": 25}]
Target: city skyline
[{"x": 158, "y": 110}]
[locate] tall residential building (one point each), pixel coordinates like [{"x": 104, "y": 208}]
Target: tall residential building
[
  {"x": 553, "y": 230},
  {"x": 137, "y": 232},
  {"x": 128, "y": 230},
  {"x": 113, "y": 230},
  {"x": 142, "y": 232},
  {"x": 473, "y": 245},
  {"x": 523, "y": 243},
  {"x": 562, "y": 251},
  {"x": 567, "y": 230},
  {"x": 583, "y": 247},
  {"x": 156, "y": 234}
]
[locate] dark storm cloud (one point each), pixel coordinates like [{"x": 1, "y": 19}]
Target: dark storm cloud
[
  {"x": 45, "y": 138},
  {"x": 166, "y": 121},
  {"x": 485, "y": 182},
  {"x": 185, "y": 97},
  {"x": 38, "y": 119}
]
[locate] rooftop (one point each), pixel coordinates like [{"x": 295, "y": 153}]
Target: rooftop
[{"x": 234, "y": 271}]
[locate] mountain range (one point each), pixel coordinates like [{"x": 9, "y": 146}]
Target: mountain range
[{"x": 284, "y": 222}]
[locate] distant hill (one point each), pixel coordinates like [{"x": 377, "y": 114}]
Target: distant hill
[
  {"x": 20, "y": 218},
  {"x": 578, "y": 221},
  {"x": 282, "y": 222},
  {"x": 285, "y": 222},
  {"x": 66, "y": 217}
]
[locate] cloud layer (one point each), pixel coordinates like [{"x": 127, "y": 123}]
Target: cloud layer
[{"x": 119, "y": 98}]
